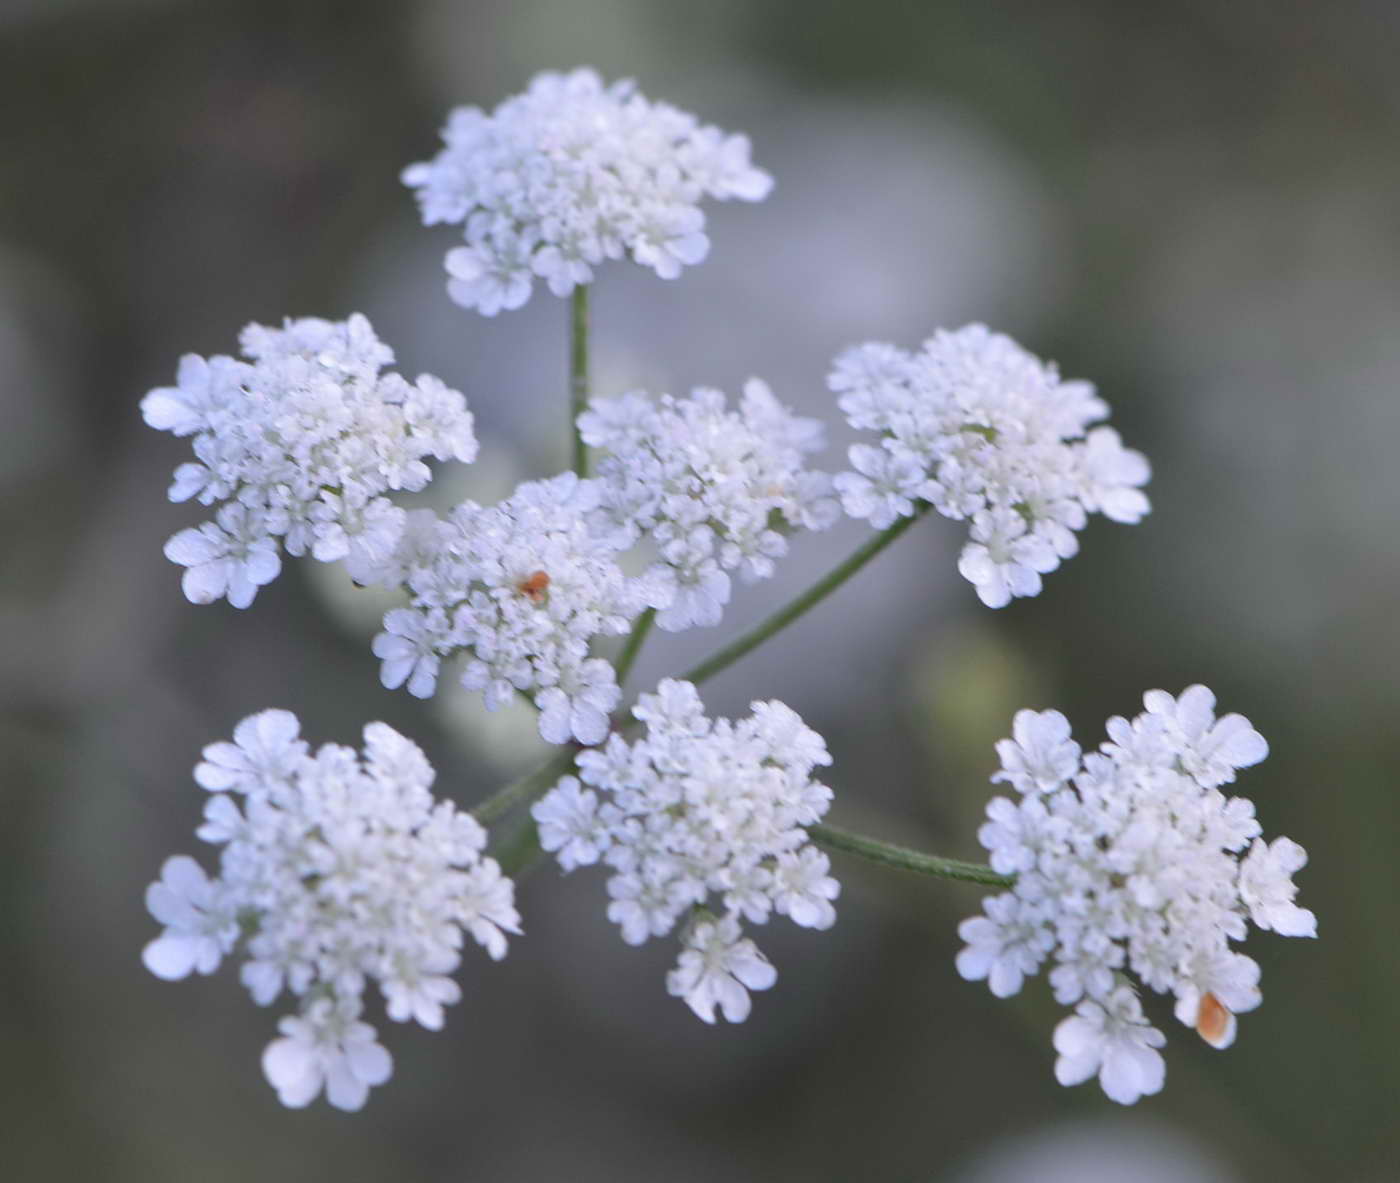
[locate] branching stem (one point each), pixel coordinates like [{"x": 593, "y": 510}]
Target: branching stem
[
  {"x": 527, "y": 788},
  {"x": 628, "y": 656},
  {"x": 535, "y": 784},
  {"x": 578, "y": 373},
  {"x": 813, "y": 596},
  {"x": 902, "y": 857}
]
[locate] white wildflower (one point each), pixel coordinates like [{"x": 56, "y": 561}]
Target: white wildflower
[
  {"x": 326, "y": 1046},
  {"x": 1267, "y": 889},
  {"x": 980, "y": 429},
  {"x": 571, "y": 173},
  {"x": 1040, "y": 756},
  {"x": 718, "y": 968},
  {"x": 1111, "y": 1040},
  {"x": 1004, "y": 946},
  {"x": 716, "y": 490},
  {"x": 884, "y": 487},
  {"x": 803, "y": 888},
  {"x": 232, "y": 556},
  {"x": 1209, "y": 749},
  {"x": 300, "y": 443},
  {"x": 336, "y": 868},
  {"x": 520, "y": 589},
  {"x": 569, "y": 824},
  {"x": 703, "y": 822},
  {"x": 1130, "y": 860},
  {"x": 200, "y": 924}
]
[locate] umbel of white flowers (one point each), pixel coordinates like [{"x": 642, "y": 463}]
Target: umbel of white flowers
[
  {"x": 335, "y": 869},
  {"x": 714, "y": 490},
  {"x": 305, "y": 441},
  {"x": 522, "y": 587},
  {"x": 1131, "y": 859},
  {"x": 981, "y": 429},
  {"x": 569, "y": 174},
  {"x": 338, "y": 868},
  {"x": 300, "y": 442},
  {"x": 695, "y": 811}
]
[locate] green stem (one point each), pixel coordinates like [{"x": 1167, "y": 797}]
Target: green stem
[
  {"x": 527, "y": 788},
  {"x": 578, "y": 373},
  {"x": 628, "y": 656},
  {"x": 908, "y": 860},
  {"x": 519, "y": 851},
  {"x": 814, "y": 595}
]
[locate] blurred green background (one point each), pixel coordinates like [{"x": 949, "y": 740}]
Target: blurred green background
[{"x": 1194, "y": 205}]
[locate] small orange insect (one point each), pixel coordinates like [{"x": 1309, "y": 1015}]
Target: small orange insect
[{"x": 533, "y": 587}]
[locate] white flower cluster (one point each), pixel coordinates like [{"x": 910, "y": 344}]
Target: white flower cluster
[
  {"x": 522, "y": 587},
  {"x": 981, "y": 429},
  {"x": 1131, "y": 859},
  {"x": 717, "y": 490},
  {"x": 337, "y": 869},
  {"x": 696, "y": 808},
  {"x": 300, "y": 442},
  {"x": 571, "y": 173}
]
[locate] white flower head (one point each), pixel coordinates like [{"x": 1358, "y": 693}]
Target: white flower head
[
  {"x": 520, "y": 590},
  {"x": 571, "y": 173},
  {"x": 703, "y": 823},
  {"x": 299, "y": 444},
  {"x": 715, "y": 490},
  {"x": 1129, "y": 860},
  {"x": 982, "y": 430},
  {"x": 336, "y": 868}
]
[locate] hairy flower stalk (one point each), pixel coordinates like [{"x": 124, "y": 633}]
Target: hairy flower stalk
[
  {"x": 578, "y": 374},
  {"x": 747, "y": 642},
  {"x": 632, "y": 647},
  {"x": 889, "y": 855}
]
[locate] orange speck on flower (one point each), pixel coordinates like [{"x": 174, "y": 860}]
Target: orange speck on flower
[
  {"x": 534, "y": 586},
  {"x": 1212, "y": 1019}
]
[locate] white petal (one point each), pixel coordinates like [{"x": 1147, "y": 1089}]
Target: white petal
[
  {"x": 291, "y": 1067},
  {"x": 191, "y": 547},
  {"x": 206, "y": 583},
  {"x": 170, "y": 957}
]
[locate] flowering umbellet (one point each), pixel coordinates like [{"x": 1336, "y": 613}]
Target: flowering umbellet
[
  {"x": 571, "y": 173},
  {"x": 1130, "y": 860},
  {"x": 336, "y": 868}
]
